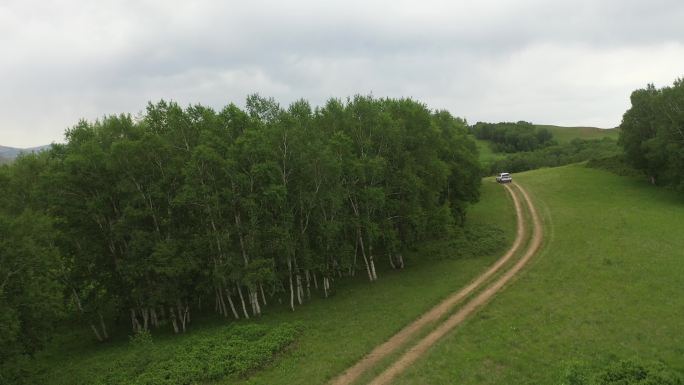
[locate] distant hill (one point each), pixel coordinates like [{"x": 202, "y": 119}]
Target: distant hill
[
  {"x": 566, "y": 134},
  {"x": 7, "y": 154}
]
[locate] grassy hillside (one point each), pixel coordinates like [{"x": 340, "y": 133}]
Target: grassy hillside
[
  {"x": 333, "y": 333},
  {"x": 486, "y": 153},
  {"x": 562, "y": 153},
  {"x": 607, "y": 286},
  {"x": 566, "y": 134}
]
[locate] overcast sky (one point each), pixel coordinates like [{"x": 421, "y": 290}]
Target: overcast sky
[{"x": 571, "y": 62}]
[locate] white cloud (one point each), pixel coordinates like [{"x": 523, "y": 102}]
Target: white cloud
[{"x": 563, "y": 62}]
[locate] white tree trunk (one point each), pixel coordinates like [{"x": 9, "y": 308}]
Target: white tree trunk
[
  {"x": 232, "y": 305},
  {"x": 263, "y": 296},
  {"x": 174, "y": 322},
  {"x": 134, "y": 320},
  {"x": 242, "y": 299},
  {"x": 145, "y": 312},
  {"x": 97, "y": 334},
  {"x": 289, "y": 265},
  {"x": 183, "y": 315},
  {"x": 300, "y": 289},
  {"x": 221, "y": 304},
  {"x": 105, "y": 335},
  {"x": 255, "y": 300},
  {"x": 250, "y": 295},
  {"x": 365, "y": 258}
]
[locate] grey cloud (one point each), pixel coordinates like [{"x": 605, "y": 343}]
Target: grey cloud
[{"x": 565, "y": 62}]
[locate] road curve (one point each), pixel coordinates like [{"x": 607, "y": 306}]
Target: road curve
[
  {"x": 470, "y": 307},
  {"x": 399, "y": 339}
]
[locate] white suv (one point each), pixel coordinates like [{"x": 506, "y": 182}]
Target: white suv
[{"x": 504, "y": 177}]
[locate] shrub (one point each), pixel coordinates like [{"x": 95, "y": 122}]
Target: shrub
[
  {"x": 616, "y": 164},
  {"x": 190, "y": 359},
  {"x": 623, "y": 372}
]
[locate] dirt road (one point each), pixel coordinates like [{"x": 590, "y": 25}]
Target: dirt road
[{"x": 443, "y": 308}]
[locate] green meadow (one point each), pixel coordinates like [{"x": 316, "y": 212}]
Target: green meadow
[
  {"x": 607, "y": 286},
  {"x": 567, "y": 134}
]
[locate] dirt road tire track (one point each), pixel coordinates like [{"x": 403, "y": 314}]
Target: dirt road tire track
[
  {"x": 469, "y": 308},
  {"x": 399, "y": 339}
]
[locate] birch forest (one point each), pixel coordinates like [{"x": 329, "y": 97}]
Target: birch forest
[{"x": 146, "y": 221}]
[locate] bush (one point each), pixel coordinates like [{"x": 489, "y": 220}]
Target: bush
[
  {"x": 471, "y": 241},
  {"x": 195, "y": 358},
  {"x": 513, "y": 137},
  {"x": 616, "y": 164},
  {"x": 634, "y": 373},
  {"x": 623, "y": 372}
]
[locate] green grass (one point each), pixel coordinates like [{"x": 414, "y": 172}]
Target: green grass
[
  {"x": 334, "y": 332},
  {"x": 567, "y": 134},
  {"x": 608, "y": 285},
  {"x": 487, "y": 155}
]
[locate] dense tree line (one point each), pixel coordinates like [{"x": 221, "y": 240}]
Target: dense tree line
[
  {"x": 652, "y": 133},
  {"x": 513, "y": 137},
  {"x": 578, "y": 150},
  {"x": 150, "y": 219},
  {"x": 30, "y": 264}
]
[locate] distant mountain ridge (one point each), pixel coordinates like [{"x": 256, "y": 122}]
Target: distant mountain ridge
[{"x": 9, "y": 153}]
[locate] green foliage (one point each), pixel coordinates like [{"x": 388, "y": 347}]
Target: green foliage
[
  {"x": 513, "y": 137},
  {"x": 199, "y": 357},
  {"x": 235, "y": 208},
  {"x": 470, "y": 241},
  {"x": 617, "y": 164},
  {"x": 190, "y": 203},
  {"x": 622, "y": 372},
  {"x": 30, "y": 267},
  {"x": 336, "y": 331},
  {"x": 141, "y": 338},
  {"x": 578, "y": 150},
  {"x": 652, "y": 133}
]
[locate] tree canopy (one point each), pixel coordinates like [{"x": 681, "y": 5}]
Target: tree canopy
[
  {"x": 513, "y": 137},
  {"x": 153, "y": 218},
  {"x": 652, "y": 133}
]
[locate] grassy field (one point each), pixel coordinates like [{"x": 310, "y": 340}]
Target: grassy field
[
  {"x": 608, "y": 285},
  {"x": 333, "y": 333},
  {"x": 486, "y": 153},
  {"x": 566, "y": 134}
]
